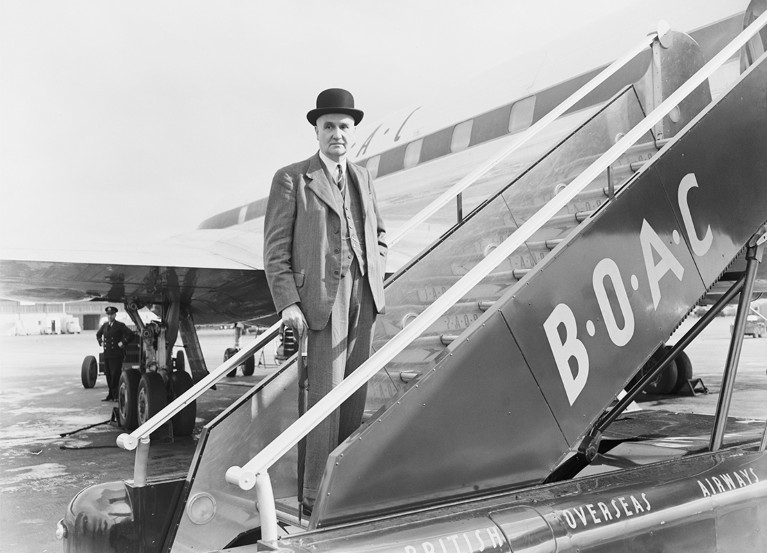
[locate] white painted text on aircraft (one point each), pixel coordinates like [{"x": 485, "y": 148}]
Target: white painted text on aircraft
[
  {"x": 728, "y": 481},
  {"x": 483, "y": 539},
  {"x": 600, "y": 512},
  {"x": 561, "y": 326}
]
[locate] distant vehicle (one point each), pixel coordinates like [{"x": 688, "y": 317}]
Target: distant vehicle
[
  {"x": 755, "y": 327},
  {"x": 73, "y": 326}
]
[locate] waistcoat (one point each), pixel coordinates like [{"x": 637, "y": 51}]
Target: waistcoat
[{"x": 352, "y": 226}]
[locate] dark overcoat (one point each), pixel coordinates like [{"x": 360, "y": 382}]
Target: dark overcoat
[{"x": 109, "y": 337}]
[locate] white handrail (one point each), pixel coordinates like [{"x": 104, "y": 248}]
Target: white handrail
[
  {"x": 245, "y": 476},
  {"x": 131, "y": 441},
  {"x": 528, "y": 134}
]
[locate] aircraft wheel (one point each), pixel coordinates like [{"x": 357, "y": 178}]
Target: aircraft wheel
[
  {"x": 683, "y": 371},
  {"x": 127, "y": 392},
  {"x": 152, "y": 396},
  {"x": 227, "y": 354},
  {"x": 249, "y": 366},
  {"x": 89, "y": 371},
  {"x": 180, "y": 364},
  {"x": 183, "y": 422},
  {"x": 663, "y": 383}
]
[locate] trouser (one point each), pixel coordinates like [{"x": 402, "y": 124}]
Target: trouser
[
  {"x": 332, "y": 354},
  {"x": 113, "y": 368}
]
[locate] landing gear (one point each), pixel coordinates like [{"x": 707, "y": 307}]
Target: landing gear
[
  {"x": 683, "y": 371},
  {"x": 89, "y": 371},
  {"x": 228, "y": 353},
  {"x": 666, "y": 381},
  {"x": 183, "y": 422},
  {"x": 249, "y": 366},
  {"x": 152, "y": 396},
  {"x": 670, "y": 380},
  {"x": 158, "y": 378},
  {"x": 127, "y": 399}
]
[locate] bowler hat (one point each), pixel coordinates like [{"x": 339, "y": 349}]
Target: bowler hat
[
  {"x": 111, "y": 310},
  {"x": 335, "y": 100}
]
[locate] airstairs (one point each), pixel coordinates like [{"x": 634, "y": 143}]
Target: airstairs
[{"x": 597, "y": 259}]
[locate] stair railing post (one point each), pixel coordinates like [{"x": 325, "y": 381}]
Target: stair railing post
[
  {"x": 140, "y": 463},
  {"x": 267, "y": 511},
  {"x": 753, "y": 257}
]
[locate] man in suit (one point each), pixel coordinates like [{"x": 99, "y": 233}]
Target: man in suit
[
  {"x": 325, "y": 258},
  {"x": 113, "y": 336}
]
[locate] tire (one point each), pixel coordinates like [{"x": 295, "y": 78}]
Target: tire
[
  {"x": 683, "y": 371},
  {"x": 663, "y": 383},
  {"x": 89, "y": 372},
  {"x": 127, "y": 403},
  {"x": 180, "y": 364},
  {"x": 151, "y": 397},
  {"x": 183, "y": 422},
  {"x": 249, "y": 366},
  {"x": 229, "y": 352}
]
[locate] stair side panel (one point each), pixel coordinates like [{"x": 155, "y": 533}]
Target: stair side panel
[
  {"x": 601, "y": 305},
  {"x": 719, "y": 192},
  {"x": 479, "y": 408}
]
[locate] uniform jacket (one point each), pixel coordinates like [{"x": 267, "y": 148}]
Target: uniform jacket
[
  {"x": 303, "y": 239},
  {"x": 109, "y": 337}
]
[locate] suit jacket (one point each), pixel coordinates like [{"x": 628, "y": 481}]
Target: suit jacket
[
  {"x": 109, "y": 337},
  {"x": 302, "y": 238}
]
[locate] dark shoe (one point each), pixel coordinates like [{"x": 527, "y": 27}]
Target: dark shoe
[
  {"x": 307, "y": 506},
  {"x": 108, "y": 398}
]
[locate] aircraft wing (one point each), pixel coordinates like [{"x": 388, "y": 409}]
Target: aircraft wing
[{"x": 217, "y": 273}]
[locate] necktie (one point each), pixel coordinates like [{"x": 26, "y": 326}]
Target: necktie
[{"x": 339, "y": 177}]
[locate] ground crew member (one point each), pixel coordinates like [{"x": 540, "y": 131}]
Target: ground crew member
[{"x": 113, "y": 336}]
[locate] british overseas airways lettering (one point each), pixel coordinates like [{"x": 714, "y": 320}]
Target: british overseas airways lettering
[
  {"x": 727, "y": 481},
  {"x": 659, "y": 263},
  {"x": 606, "y": 511},
  {"x": 482, "y": 539}
]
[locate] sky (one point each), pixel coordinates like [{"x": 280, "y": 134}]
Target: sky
[{"x": 125, "y": 121}]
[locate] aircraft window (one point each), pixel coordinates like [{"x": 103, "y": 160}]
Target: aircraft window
[
  {"x": 372, "y": 165},
  {"x": 461, "y": 136},
  {"x": 413, "y": 153},
  {"x": 521, "y": 114}
]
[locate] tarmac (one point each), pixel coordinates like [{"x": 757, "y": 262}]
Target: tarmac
[{"x": 41, "y": 398}]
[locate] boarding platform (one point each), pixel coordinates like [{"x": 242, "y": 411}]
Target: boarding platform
[{"x": 500, "y": 390}]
